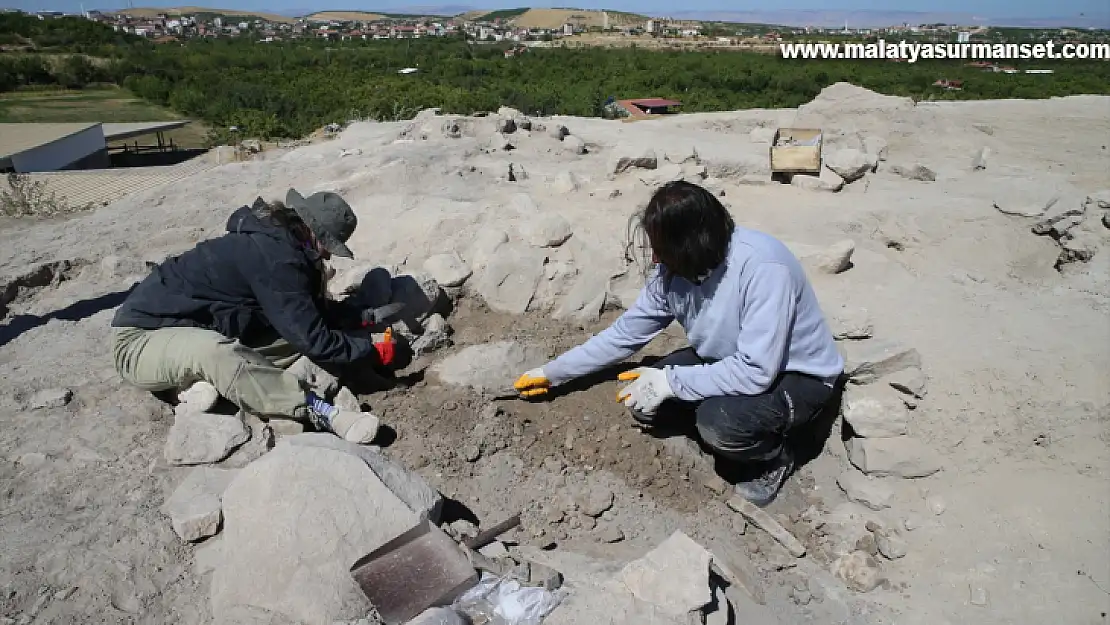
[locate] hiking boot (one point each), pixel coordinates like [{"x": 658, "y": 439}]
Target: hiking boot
[{"x": 762, "y": 489}]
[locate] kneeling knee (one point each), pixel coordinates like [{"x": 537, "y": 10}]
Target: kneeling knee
[{"x": 726, "y": 432}]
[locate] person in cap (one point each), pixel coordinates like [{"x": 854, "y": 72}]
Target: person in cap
[
  {"x": 762, "y": 362},
  {"x": 230, "y": 316}
]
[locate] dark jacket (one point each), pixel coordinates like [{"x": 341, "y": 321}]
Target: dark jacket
[{"x": 248, "y": 284}]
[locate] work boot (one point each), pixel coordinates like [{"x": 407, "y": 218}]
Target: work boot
[{"x": 762, "y": 489}]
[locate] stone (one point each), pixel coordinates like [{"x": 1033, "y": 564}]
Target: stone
[
  {"x": 194, "y": 507},
  {"x": 852, "y": 325},
  {"x": 875, "y": 146},
  {"x": 436, "y": 336},
  {"x": 917, "y": 172},
  {"x": 489, "y": 367},
  {"x": 449, "y": 270},
  {"x": 367, "y": 284},
  {"x": 846, "y": 529},
  {"x": 834, "y": 259},
  {"x": 565, "y": 183},
  {"x": 294, "y": 523},
  {"x": 979, "y": 160},
  {"x": 50, "y": 398},
  {"x": 866, "y": 491},
  {"x": 471, "y": 453},
  {"x": 574, "y": 145},
  {"x": 406, "y": 485},
  {"x": 734, "y": 166},
  {"x": 506, "y": 125},
  {"x": 762, "y": 135},
  {"x": 891, "y": 544},
  {"x": 203, "y": 438},
  {"x": 260, "y": 442},
  {"x": 858, "y": 570},
  {"x": 1061, "y": 216},
  {"x": 484, "y": 247},
  {"x": 421, "y": 295},
  {"x": 1021, "y": 204},
  {"x": 662, "y": 175},
  {"x": 936, "y": 504},
  {"x": 452, "y": 128},
  {"x": 978, "y": 596},
  {"x": 902, "y": 456},
  {"x": 495, "y": 550},
  {"x": 625, "y": 158},
  {"x": 674, "y": 576},
  {"x": 1078, "y": 247},
  {"x": 875, "y": 412},
  {"x": 509, "y": 281},
  {"x": 593, "y": 501},
  {"x": 560, "y": 132},
  {"x": 1099, "y": 199},
  {"x": 546, "y": 230},
  {"x": 113, "y": 266},
  {"x": 867, "y": 361},
  {"x": 849, "y": 163},
  {"x": 910, "y": 381},
  {"x": 1106, "y": 219},
  {"x": 826, "y": 180},
  {"x": 610, "y": 534}
]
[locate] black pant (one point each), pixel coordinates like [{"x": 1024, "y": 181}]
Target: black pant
[{"x": 745, "y": 428}]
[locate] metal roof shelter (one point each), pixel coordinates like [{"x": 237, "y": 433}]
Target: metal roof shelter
[
  {"x": 119, "y": 132},
  {"x": 17, "y": 140}
]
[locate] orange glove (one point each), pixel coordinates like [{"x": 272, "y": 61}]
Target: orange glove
[{"x": 385, "y": 347}]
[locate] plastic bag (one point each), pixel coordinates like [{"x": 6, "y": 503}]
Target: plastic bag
[
  {"x": 506, "y": 602},
  {"x": 439, "y": 616}
]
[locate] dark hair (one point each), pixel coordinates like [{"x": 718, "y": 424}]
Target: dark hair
[
  {"x": 687, "y": 229},
  {"x": 277, "y": 213}
]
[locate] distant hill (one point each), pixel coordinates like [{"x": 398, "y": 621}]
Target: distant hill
[
  {"x": 555, "y": 18},
  {"x": 153, "y": 12},
  {"x": 873, "y": 19},
  {"x": 346, "y": 16}
]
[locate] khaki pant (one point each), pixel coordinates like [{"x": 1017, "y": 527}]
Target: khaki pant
[{"x": 251, "y": 377}]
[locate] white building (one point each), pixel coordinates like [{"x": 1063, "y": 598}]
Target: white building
[{"x": 963, "y": 36}]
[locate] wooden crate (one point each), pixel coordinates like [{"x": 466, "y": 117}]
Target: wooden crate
[{"x": 801, "y": 152}]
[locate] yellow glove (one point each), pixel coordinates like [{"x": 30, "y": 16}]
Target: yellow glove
[{"x": 532, "y": 383}]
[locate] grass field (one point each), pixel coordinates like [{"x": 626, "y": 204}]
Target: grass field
[{"x": 93, "y": 105}]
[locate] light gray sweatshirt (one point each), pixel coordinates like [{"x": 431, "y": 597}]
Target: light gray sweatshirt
[{"x": 756, "y": 315}]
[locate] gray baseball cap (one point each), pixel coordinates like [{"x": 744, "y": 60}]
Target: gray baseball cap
[{"x": 329, "y": 216}]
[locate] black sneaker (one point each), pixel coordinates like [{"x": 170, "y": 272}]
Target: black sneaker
[{"x": 762, "y": 489}]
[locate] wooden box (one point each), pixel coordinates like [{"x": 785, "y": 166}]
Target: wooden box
[{"x": 796, "y": 150}]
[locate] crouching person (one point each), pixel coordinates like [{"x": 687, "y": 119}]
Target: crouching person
[
  {"x": 237, "y": 310},
  {"x": 763, "y": 362}
]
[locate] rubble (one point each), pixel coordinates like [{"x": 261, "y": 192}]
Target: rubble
[
  {"x": 449, "y": 270},
  {"x": 917, "y": 172},
  {"x": 901, "y": 456},
  {"x": 421, "y": 295},
  {"x": 194, "y": 507},
  {"x": 875, "y": 412},
  {"x": 203, "y": 438},
  {"x": 979, "y": 160},
  {"x": 436, "y": 335},
  {"x": 560, "y": 132},
  {"x": 864, "y": 490},
  {"x": 910, "y": 381},
  {"x": 875, "y": 147},
  {"x": 625, "y": 158},
  {"x": 867, "y": 361},
  {"x": 1063, "y": 215},
  {"x": 574, "y": 145},
  {"x": 50, "y": 398},
  {"x": 826, "y": 180},
  {"x": 565, "y": 183},
  {"x": 852, "y": 325},
  {"x": 834, "y": 259},
  {"x": 595, "y": 500},
  {"x": 674, "y": 576},
  {"x": 849, "y": 163},
  {"x": 858, "y": 570},
  {"x": 891, "y": 544},
  {"x": 546, "y": 230}
]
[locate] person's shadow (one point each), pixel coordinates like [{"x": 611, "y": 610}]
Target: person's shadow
[{"x": 74, "y": 312}]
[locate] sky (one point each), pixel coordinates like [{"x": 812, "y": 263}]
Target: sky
[{"x": 991, "y": 8}]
